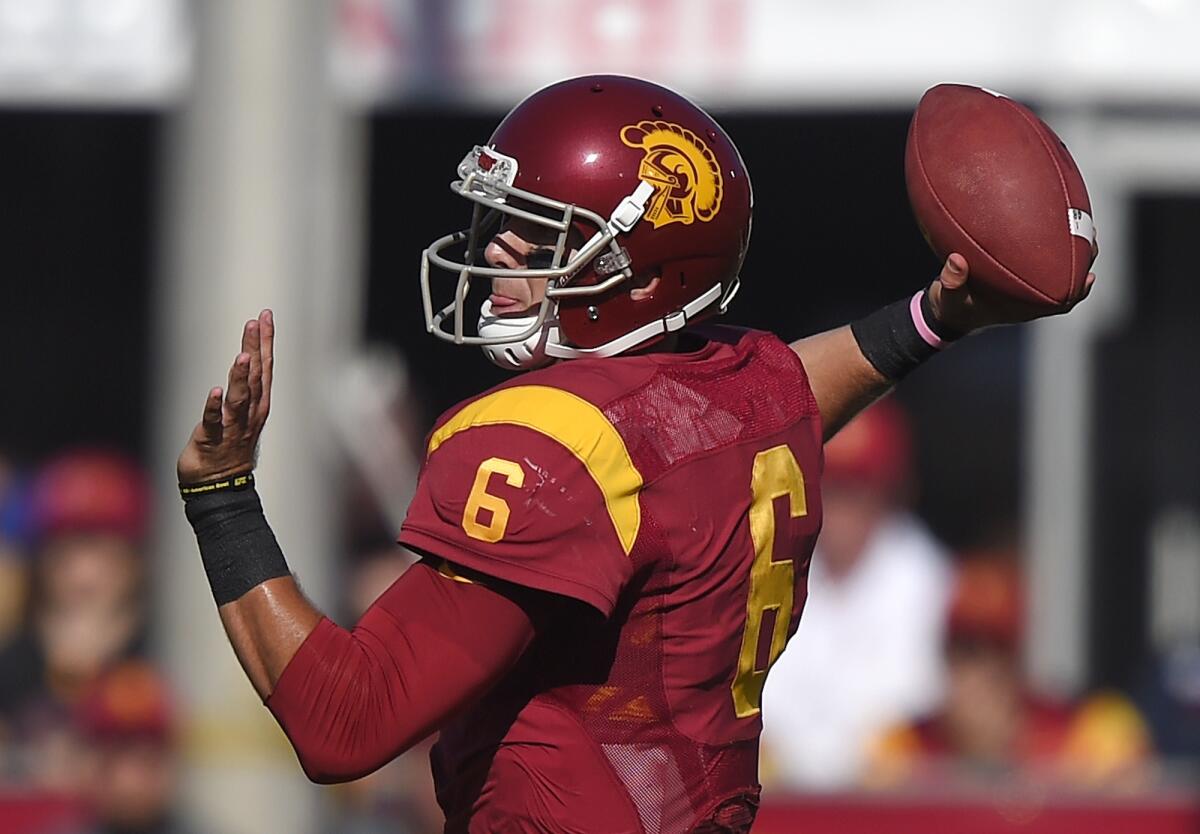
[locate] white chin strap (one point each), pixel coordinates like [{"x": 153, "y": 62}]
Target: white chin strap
[
  {"x": 546, "y": 344},
  {"x": 523, "y": 355}
]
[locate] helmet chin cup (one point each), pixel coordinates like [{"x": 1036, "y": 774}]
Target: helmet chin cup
[{"x": 518, "y": 355}]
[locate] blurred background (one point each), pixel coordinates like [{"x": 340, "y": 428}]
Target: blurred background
[{"x": 1003, "y": 631}]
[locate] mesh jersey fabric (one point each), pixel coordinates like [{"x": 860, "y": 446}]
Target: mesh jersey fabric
[{"x": 626, "y": 716}]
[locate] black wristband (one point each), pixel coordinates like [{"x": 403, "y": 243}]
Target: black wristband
[
  {"x": 892, "y": 342},
  {"x": 237, "y": 546}
]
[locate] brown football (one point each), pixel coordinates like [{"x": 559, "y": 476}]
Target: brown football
[{"x": 989, "y": 180}]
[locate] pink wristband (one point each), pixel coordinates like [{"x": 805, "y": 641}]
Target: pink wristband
[{"x": 932, "y": 339}]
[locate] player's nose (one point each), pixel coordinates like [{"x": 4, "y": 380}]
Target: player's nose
[{"x": 501, "y": 254}]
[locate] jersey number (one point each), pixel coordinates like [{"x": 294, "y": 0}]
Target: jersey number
[
  {"x": 481, "y": 499},
  {"x": 772, "y": 583}
]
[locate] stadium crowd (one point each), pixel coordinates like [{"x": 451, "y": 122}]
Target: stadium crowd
[
  {"x": 916, "y": 650},
  {"x": 84, "y": 715}
]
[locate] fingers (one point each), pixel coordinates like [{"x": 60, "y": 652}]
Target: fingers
[
  {"x": 251, "y": 345},
  {"x": 266, "y": 327},
  {"x": 248, "y": 397},
  {"x": 258, "y": 342},
  {"x": 954, "y": 272},
  {"x": 227, "y": 437},
  {"x": 237, "y": 402},
  {"x": 210, "y": 423},
  {"x": 1088, "y": 283}
]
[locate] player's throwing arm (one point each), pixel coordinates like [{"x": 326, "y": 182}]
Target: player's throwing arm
[{"x": 997, "y": 195}]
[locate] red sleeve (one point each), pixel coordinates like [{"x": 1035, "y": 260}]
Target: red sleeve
[
  {"x": 511, "y": 502},
  {"x": 351, "y": 701}
]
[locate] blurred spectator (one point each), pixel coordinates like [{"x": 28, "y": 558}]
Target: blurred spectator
[
  {"x": 127, "y": 749},
  {"x": 398, "y": 798},
  {"x": 868, "y": 650},
  {"x": 1169, "y": 692},
  {"x": 989, "y": 725},
  {"x": 14, "y": 568},
  {"x": 87, "y": 514},
  {"x": 14, "y": 582}
]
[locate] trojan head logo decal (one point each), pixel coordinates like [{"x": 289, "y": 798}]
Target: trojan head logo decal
[{"x": 683, "y": 171}]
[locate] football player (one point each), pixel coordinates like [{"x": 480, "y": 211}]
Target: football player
[{"x": 615, "y": 544}]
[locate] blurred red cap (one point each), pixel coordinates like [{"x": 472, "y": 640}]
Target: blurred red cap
[
  {"x": 988, "y": 601},
  {"x": 874, "y": 449},
  {"x": 90, "y": 491},
  {"x": 129, "y": 701}
]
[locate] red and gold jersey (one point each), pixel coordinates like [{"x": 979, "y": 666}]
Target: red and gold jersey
[{"x": 677, "y": 496}]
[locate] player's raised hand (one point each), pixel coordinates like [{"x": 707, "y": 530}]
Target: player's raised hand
[
  {"x": 224, "y": 441},
  {"x": 963, "y": 306}
]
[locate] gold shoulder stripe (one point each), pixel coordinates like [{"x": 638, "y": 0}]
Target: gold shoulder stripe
[{"x": 575, "y": 424}]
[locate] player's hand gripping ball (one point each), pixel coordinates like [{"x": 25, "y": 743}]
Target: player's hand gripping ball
[{"x": 989, "y": 180}]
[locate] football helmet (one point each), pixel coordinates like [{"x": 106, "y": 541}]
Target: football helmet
[{"x": 651, "y": 185}]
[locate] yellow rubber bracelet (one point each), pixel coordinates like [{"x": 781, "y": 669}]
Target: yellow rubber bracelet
[{"x": 234, "y": 482}]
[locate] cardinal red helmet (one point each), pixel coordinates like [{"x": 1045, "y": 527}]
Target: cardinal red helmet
[{"x": 650, "y": 182}]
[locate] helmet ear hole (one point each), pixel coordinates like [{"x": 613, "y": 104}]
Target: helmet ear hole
[
  {"x": 644, "y": 291},
  {"x": 644, "y": 279}
]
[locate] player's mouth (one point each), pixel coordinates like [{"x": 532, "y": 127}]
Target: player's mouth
[{"x": 503, "y": 305}]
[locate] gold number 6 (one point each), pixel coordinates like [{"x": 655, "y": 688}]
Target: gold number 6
[
  {"x": 772, "y": 583},
  {"x": 481, "y": 499}
]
